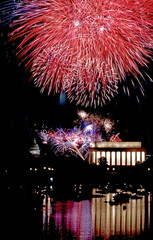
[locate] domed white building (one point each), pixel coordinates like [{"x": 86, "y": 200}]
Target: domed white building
[{"x": 34, "y": 149}]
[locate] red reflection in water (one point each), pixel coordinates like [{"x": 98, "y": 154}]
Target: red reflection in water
[{"x": 88, "y": 219}]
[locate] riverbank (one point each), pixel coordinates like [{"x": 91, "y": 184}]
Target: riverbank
[{"x": 45, "y": 170}]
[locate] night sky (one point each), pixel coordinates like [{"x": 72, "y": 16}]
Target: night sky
[{"x": 23, "y": 106}]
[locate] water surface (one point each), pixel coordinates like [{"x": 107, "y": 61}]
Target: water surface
[{"x": 99, "y": 217}]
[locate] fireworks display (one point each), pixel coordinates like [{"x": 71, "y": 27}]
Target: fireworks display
[
  {"x": 76, "y": 141},
  {"x": 84, "y": 47}
]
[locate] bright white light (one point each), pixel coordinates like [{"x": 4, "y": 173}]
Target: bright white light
[
  {"x": 76, "y": 23},
  {"x": 102, "y": 29},
  {"x": 118, "y": 144},
  {"x": 82, "y": 114},
  {"x": 88, "y": 128},
  {"x": 74, "y": 143},
  {"x": 108, "y": 157},
  {"x": 118, "y": 158},
  {"x": 98, "y": 155},
  {"x": 113, "y": 158},
  {"x": 92, "y": 144},
  {"x": 143, "y": 156},
  {"x": 50, "y": 169},
  {"x": 51, "y": 179},
  {"x": 93, "y": 154},
  {"x": 123, "y": 158},
  {"x": 128, "y": 158},
  {"x": 133, "y": 158},
  {"x": 138, "y": 156}
]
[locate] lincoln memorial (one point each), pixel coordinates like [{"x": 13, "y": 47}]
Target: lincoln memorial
[{"x": 117, "y": 153}]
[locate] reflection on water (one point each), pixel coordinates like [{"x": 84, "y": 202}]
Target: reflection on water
[
  {"x": 110, "y": 220},
  {"x": 97, "y": 218}
]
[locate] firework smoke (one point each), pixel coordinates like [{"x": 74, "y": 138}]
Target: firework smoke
[{"x": 84, "y": 47}]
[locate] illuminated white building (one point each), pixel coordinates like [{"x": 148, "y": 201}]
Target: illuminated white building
[
  {"x": 34, "y": 149},
  {"x": 117, "y": 153}
]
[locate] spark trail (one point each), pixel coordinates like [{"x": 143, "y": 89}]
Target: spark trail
[
  {"x": 77, "y": 140},
  {"x": 84, "y": 47}
]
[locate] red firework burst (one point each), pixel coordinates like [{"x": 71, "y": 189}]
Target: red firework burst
[{"x": 84, "y": 46}]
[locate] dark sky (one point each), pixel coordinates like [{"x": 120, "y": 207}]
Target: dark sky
[{"x": 23, "y": 106}]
